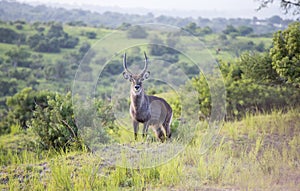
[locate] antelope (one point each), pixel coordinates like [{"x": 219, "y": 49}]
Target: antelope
[{"x": 152, "y": 111}]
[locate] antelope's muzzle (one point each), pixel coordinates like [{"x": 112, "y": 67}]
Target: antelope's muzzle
[{"x": 137, "y": 87}]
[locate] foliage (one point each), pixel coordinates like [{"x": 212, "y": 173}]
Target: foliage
[
  {"x": 77, "y": 17},
  {"x": 91, "y": 35},
  {"x": 55, "y": 124},
  {"x": 8, "y": 35},
  {"x": 258, "y": 67},
  {"x": 245, "y": 30},
  {"x": 21, "y": 107},
  {"x": 196, "y": 30},
  {"x": 230, "y": 29},
  {"x": 55, "y": 39},
  {"x": 267, "y": 144},
  {"x": 18, "y": 56},
  {"x": 252, "y": 85},
  {"x": 285, "y": 53},
  {"x": 137, "y": 32}
]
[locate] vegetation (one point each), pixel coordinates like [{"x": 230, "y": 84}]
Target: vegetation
[
  {"x": 41, "y": 141},
  {"x": 257, "y": 152},
  {"x": 77, "y": 17}
]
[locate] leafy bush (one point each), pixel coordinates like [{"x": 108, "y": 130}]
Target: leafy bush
[
  {"x": 137, "y": 32},
  {"x": 21, "y": 107},
  {"x": 8, "y": 35},
  {"x": 51, "y": 117},
  {"x": 91, "y": 35},
  {"x": 285, "y": 53},
  {"x": 55, "y": 124},
  {"x": 55, "y": 39},
  {"x": 251, "y": 86}
]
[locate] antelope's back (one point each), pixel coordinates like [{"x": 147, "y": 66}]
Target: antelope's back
[{"x": 159, "y": 108}]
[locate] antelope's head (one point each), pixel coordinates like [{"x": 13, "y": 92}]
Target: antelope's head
[{"x": 136, "y": 79}]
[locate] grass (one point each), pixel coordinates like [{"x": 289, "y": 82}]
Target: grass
[{"x": 260, "y": 152}]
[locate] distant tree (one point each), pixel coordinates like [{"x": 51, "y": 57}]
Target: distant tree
[
  {"x": 285, "y": 53},
  {"x": 260, "y": 47},
  {"x": 222, "y": 37},
  {"x": 55, "y": 39},
  {"x": 68, "y": 42},
  {"x": 191, "y": 27},
  {"x": 137, "y": 32},
  {"x": 230, "y": 29},
  {"x": 245, "y": 30},
  {"x": 34, "y": 40},
  {"x": 84, "y": 48},
  {"x": 206, "y": 30},
  {"x": 56, "y": 30},
  {"x": 124, "y": 26},
  {"x": 17, "y": 56},
  {"x": 91, "y": 35},
  {"x": 275, "y": 19},
  {"x": 8, "y": 87},
  {"x": 8, "y": 35},
  {"x": 19, "y": 27},
  {"x": 60, "y": 69}
]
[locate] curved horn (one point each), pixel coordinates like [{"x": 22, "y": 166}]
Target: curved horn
[
  {"x": 146, "y": 64},
  {"x": 125, "y": 64}
]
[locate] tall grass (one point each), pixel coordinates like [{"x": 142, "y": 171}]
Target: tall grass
[{"x": 260, "y": 152}]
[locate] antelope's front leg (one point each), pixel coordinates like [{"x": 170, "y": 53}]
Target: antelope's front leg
[
  {"x": 145, "y": 129},
  {"x": 135, "y": 128}
]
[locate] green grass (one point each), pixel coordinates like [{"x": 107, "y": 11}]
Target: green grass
[{"x": 260, "y": 152}]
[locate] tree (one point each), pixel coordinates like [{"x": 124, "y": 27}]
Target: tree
[
  {"x": 91, "y": 35},
  {"x": 230, "y": 29},
  {"x": 8, "y": 35},
  {"x": 285, "y": 53},
  {"x": 18, "y": 56},
  {"x": 245, "y": 30},
  {"x": 258, "y": 67},
  {"x": 292, "y": 6},
  {"x": 137, "y": 32},
  {"x": 191, "y": 27},
  {"x": 56, "y": 30}
]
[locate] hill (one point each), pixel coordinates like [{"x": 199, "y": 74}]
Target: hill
[{"x": 10, "y": 11}]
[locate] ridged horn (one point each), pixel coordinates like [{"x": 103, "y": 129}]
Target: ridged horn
[
  {"x": 125, "y": 64},
  {"x": 146, "y": 64}
]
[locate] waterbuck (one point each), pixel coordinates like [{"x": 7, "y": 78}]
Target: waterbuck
[{"x": 152, "y": 111}]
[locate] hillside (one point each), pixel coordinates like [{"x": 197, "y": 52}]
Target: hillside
[
  {"x": 260, "y": 152},
  {"x": 10, "y": 11},
  {"x": 233, "y": 85}
]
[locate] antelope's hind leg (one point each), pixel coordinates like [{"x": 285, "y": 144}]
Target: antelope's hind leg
[{"x": 167, "y": 125}]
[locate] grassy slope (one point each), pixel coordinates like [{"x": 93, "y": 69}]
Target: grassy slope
[{"x": 258, "y": 153}]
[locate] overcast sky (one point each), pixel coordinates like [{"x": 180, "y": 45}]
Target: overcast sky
[{"x": 232, "y": 8}]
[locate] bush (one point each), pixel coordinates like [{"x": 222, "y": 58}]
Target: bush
[
  {"x": 51, "y": 117},
  {"x": 21, "y": 107},
  {"x": 248, "y": 89},
  {"x": 55, "y": 124},
  {"x": 91, "y": 35},
  {"x": 8, "y": 36},
  {"x": 137, "y": 32}
]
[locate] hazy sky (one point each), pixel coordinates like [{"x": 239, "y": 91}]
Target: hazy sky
[{"x": 234, "y": 8}]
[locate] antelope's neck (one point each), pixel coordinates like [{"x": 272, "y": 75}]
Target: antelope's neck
[{"x": 139, "y": 101}]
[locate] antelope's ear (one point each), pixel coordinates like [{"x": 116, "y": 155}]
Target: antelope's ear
[
  {"x": 127, "y": 76},
  {"x": 146, "y": 75}
]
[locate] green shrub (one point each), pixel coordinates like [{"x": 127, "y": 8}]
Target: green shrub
[
  {"x": 55, "y": 124},
  {"x": 21, "y": 107}
]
